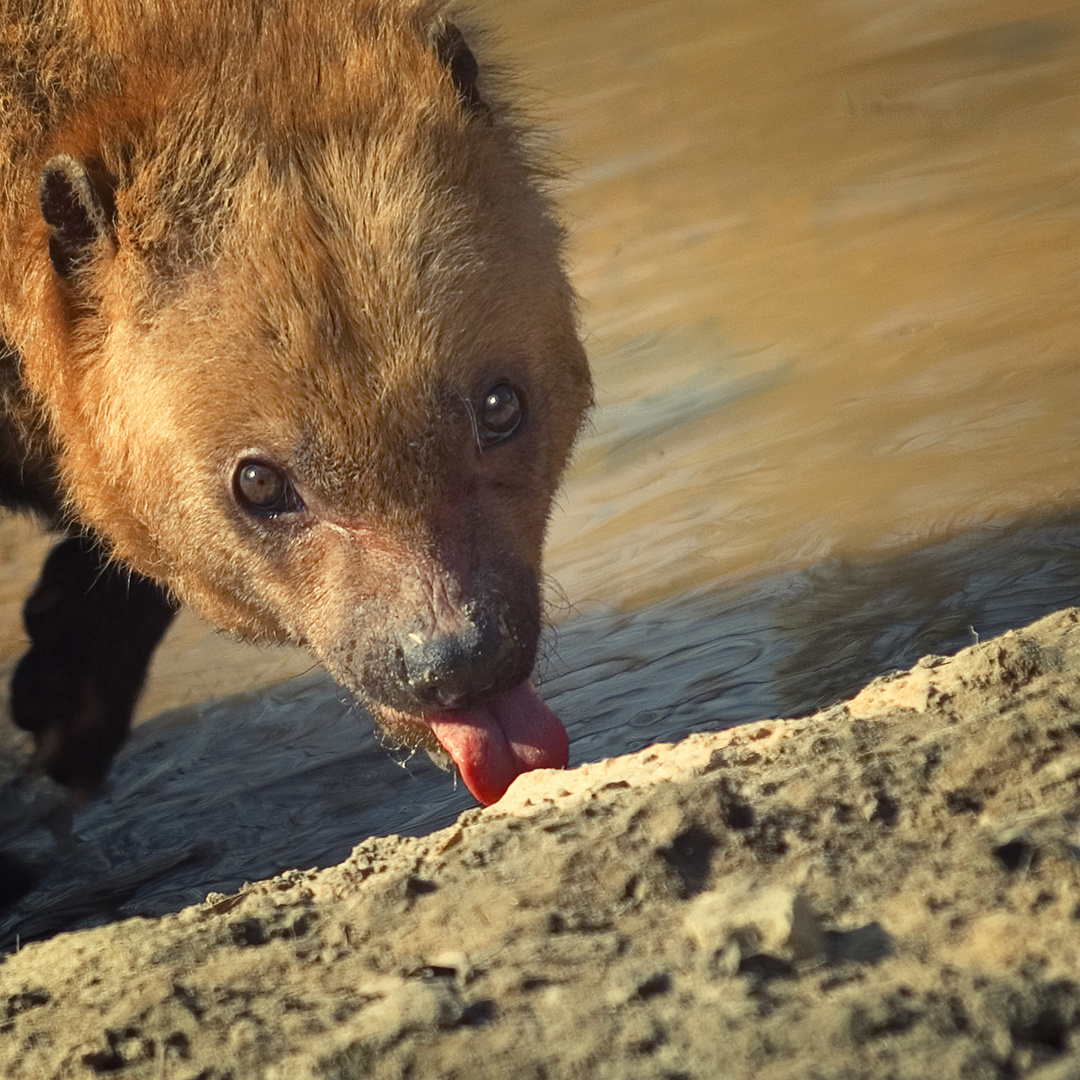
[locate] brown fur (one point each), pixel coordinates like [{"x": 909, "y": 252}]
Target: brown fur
[{"x": 322, "y": 256}]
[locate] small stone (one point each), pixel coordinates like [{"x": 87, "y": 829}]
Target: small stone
[{"x": 776, "y": 921}]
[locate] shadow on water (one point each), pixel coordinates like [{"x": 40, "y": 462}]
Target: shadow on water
[{"x": 208, "y": 798}]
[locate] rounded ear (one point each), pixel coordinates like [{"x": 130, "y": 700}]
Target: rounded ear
[
  {"x": 78, "y": 204},
  {"x": 455, "y": 55}
]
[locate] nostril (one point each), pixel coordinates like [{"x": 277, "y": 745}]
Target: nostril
[
  {"x": 438, "y": 694},
  {"x": 449, "y": 669}
]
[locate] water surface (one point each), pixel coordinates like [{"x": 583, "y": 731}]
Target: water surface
[{"x": 830, "y": 261}]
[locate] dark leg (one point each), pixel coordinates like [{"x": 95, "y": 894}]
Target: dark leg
[{"x": 93, "y": 628}]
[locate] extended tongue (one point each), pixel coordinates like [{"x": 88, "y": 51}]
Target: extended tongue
[{"x": 493, "y": 743}]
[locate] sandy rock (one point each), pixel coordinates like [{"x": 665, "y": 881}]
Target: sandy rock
[
  {"x": 745, "y": 922},
  {"x": 888, "y": 888}
]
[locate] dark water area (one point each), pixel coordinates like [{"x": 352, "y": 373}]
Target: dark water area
[
  {"x": 206, "y": 798},
  {"x": 829, "y": 258}
]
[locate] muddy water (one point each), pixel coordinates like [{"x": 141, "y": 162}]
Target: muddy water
[
  {"x": 829, "y": 256},
  {"x": 829, "y": 253}
]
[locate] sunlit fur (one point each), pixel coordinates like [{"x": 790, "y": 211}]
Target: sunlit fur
[{"x": 320, "y": 257}]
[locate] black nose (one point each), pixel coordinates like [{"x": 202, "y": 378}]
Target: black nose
[{"x": 455, "y": 668}]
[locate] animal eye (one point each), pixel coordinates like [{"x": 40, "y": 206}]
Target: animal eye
[
  {"x": 265, "y": 490},
  {"x": 501, "y": 414}
]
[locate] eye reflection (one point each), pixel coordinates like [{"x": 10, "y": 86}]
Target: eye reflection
[
  {"x": 500, "y": 415},
  {"x": 264, "y": 489}
]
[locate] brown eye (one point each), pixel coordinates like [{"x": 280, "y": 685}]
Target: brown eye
[
  {"x": 265, "y": 490},
  {"x": 500, "y": 415}
]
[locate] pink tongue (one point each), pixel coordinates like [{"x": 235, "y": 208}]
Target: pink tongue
[{"x": 493, "y": 743}]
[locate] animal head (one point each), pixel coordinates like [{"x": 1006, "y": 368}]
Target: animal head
[{"x": 308, "y": 348}]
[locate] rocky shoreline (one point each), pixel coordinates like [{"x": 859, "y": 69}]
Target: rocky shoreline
[{"x": 888, "y": 888}]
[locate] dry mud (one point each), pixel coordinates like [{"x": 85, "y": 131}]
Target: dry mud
[{"x": 889, "y": 888}]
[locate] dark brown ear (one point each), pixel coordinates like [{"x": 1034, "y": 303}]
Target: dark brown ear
[
  {"x": 455, "y": 55},
  {"x": 78, "y": 204}
]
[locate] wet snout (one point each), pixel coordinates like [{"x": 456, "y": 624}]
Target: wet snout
[
  {"x": 448, "y": 670},
  {"x": 447, "y": 667}
]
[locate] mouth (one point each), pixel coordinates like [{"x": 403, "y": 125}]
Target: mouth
[{"x": 494, "y": 742}]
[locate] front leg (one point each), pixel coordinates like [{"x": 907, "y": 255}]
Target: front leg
[{"x": 93, "y": 627}]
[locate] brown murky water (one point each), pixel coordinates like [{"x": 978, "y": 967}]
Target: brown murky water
[{"x": 829, "y": 255}]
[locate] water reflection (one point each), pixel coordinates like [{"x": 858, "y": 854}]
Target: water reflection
[{"x": 881, "y": 202}]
